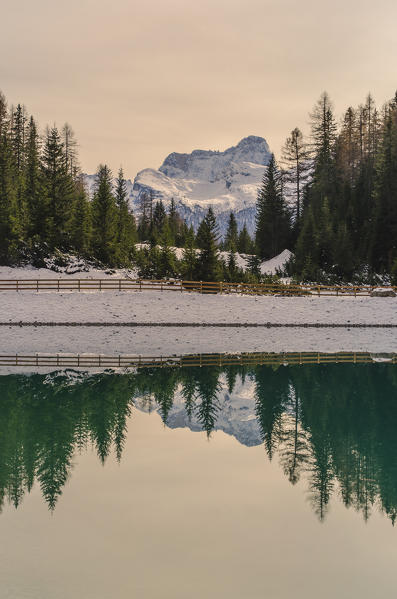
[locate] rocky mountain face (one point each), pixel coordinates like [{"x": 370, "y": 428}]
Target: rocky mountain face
[{"x": 227, "y": 181}]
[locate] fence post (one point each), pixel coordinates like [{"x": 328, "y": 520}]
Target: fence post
[
  {"x": 318, "y": 289},
  {"x": 79, "y": 284},
  {"x": 201, "y": 286},
  {"x": 37, "y": 285},
  {"x": 58, "y": 284},
  {"x": 17, "y": 285},
  {"x": 100, "y": 284}
]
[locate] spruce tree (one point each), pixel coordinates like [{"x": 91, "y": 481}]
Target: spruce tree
[
  {"x": 189, "y": 257},
  {"x": 18, "y": 141},
  {"x": 104, "y": 218},
  {"x": 231, "y": 238},
  {"x": 81, "y": 235},
  {"x": 159, "y": 220},
  {"x": 146, "y": 217},
  {"x": 9, "y": 215},
  {"x": 208, "y": 264},
  {"x": 167, "y": 256},
  {"x": 272, "y": 216},
  {"x": 126, "y": 228},
  {"x": 245, "y": 244},
  {"x": 254, "y": 266},
  {"x": 58, "y": 189},
  {"x": 35, "y": 194},
  {"x": 233, "y": 272}
]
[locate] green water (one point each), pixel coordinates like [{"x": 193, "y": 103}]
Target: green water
[{"x": 191, "y": 482}]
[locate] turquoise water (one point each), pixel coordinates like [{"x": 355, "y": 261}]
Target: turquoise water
[{"x": 250, "y": 481}]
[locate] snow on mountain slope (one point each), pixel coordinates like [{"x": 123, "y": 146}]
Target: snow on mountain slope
[{"x": 227, "y": 181}]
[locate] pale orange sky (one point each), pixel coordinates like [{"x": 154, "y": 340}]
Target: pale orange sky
[{"x": 140, "y": 79}]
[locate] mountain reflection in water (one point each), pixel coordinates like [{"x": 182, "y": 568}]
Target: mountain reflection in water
[{"x": 335, "y": 424}]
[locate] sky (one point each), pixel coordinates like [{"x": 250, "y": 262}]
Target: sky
[{"x": 138, "y": 80}]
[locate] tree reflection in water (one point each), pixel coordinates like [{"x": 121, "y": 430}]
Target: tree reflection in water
[{"x": 335, "y": 424}]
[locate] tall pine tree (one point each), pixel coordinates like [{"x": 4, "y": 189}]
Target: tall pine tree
[
  {"x": 272, "y": 216},
  {"x": 104, "y": 218}
]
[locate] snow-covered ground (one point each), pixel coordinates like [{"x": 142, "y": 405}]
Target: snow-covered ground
[
  {"x": 174, "y": 307},
  {"x": 115, "y": 308},
  {"x": 168, "y": 341}
]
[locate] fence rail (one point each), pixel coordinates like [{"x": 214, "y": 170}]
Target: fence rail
[
  {"x": 194, "y": 360},
  {"x": 206, "y": 287}
]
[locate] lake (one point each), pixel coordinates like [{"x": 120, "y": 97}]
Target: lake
[{"x": 227, "y": 482}]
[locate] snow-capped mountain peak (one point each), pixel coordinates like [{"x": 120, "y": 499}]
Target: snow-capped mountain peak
[
  {"x": 226, "y": 180},
  {"x": 210, "y": 166}
]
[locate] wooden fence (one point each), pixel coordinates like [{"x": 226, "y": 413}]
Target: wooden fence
[
  {"x": 205, "y": 287},
  {"x": 196, "y": 360}
]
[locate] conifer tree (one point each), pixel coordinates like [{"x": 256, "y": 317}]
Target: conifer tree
[
  {"x": 167, "y": 256},
  {"x": 189, "y": 258},
  {"x": 3, "y": 114},
  {"x": 58, "y": 189},
  {"x": 254, "y": 266},
  {"x": 295, "y": 155},
  {"x": 208, "y": 237},
  {"x": 18, "y": 141},
  {"x": 231, "y": 238},
  {"x": 81, "y": 221},
  {"x": 159, "y": 220},
  {"x": 35, "y": 195},
  {"x": 146, "y": 216},
  {"x": 233, "y": 272},
  {"x": 9, "y": 224},
  {"x": 175, "y": 223},
  {"x": 272, "y": 217},
  {"x": 126, "y": 228},
  {"x": 245, "y": 244},
  {"x": 104, "y": 217},
  {"x": 384, "y": 242},
  {"x": 70, "y": 150}
]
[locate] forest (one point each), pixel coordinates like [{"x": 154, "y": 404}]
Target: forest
[
  {"x": 332, "y": 201},
  {"x": 324, "y": 424}
]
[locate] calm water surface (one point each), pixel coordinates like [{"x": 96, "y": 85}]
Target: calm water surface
[{"x": 240, "y": 482}]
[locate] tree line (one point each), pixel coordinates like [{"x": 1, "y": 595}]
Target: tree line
[
  {"x": 333, "y": 202},
  {"x": 333, "y": 426},
  {"x": 340, "y": 219},
  {"x": 45, "y": 210}
]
